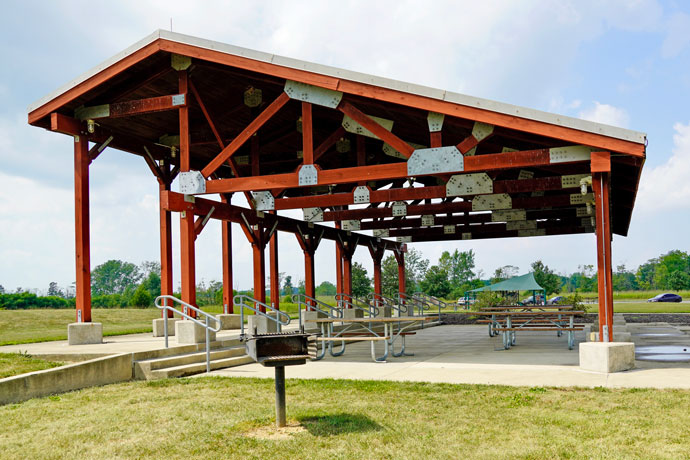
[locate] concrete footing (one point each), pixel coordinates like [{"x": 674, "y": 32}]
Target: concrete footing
[
  {"x": 310, "y": 315},
  {"x": 618, "y": 336},
  {"x": 159, "y": 327},
  {"x": 259, "y": 324},
  {"x": 351, "y": 313},
  {"x": 84, "y": 333},
  {"x": 188, "y": 332},
  {"x": 229, "y": 321},
  {"x": 607, "y": 357}
]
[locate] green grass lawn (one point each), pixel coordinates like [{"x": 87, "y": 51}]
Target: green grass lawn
[
  {"x": 17, "y": 363},
  {"x": 40, "y": 325},
  {"x": 205, "y": 418},
  {"x": 648, "y": 307}
]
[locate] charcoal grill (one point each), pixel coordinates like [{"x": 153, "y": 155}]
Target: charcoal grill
[{"x": 279, "y": 350}]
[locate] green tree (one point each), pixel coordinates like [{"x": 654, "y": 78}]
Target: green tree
[
  {"x": 389, "y": 276},
  {"x": 503, "y": 273},
  {"x": 141, "y": 297},
  {"x": 678, "y": 281},
  {"x": 361, "y": 284},
  {"x": 546, "y": 278},
  {"x": 459, "y": 266},
  {"x": 415, "y": 268},
  {"x": 287, "y": 285},
  {"x": 114, "y": 277},
  {"x": 436, "y": 282},
  {"x": 326, "y": 288},
  {"x": 54, "y": 290},
  {"x": 646, "y": 274},
  {"x": 624, "y": 280}
]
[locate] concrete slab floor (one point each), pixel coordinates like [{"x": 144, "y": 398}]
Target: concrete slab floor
[{"x": 466, "y": 354}]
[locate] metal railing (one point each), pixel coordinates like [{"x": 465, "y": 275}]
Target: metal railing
[
  {"x": 432, "y": 301},
  {"x": 310, "y": 303},
  {"x": 245, "y": 301},
  {"x": 381, "y": 300},
  {"x": 348, "y": 301},
  {"x": 183, "y": 313},
  {"x": 413, "y": 302}
]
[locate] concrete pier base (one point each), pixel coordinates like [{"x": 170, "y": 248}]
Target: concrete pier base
[
  {"x": 310, "y": 315},
  {"x": 84, "y": 333},
  {"x": 607, "y": 357},
  {"x": 159, "y": 327},
  {"x": 259, "y": 324},
  {"x": 188, "y": 332},
  {"x": 351, "y": 313},
  {"x": 229, "y": 321}
]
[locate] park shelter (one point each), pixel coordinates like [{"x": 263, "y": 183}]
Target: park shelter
[
  {"x": 520, "y": 283},
  {"x": 354, "y": 152}
]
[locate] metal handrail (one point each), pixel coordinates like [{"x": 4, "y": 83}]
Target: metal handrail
[
  {"x": 355, "y": 302},
  {"x": 415, "y": 302},
  {"x": 184, "y": 314},
  {"x": 432, "y": 300},
  {"x": 240, "y": 299},
  {"x": 387, "y": 302},
  {"x": 328, "y": 310}
]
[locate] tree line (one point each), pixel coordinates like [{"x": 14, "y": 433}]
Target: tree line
[{"x": 116, "y": 284}]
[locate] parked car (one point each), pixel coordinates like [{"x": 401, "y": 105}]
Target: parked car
[
  {"x": 555, "y": 300},
  {"x": 530, "y": 300},
  {"x": 668, "y": 297}
]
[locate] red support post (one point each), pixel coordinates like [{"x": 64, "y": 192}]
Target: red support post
[
  {"x": 81, "y": 227},
  {"x": 400, "y": 257},
  {"x": 309, "y": 274},
  {"x": 347, "y": 273},
  {"x": 378, "y": 287},
  {"x": 226, "y": 229},
  {"x": 338, "y": 265},
  {"x": 307, "y": 134},
  {"x": 258, "y": 246},
  {"x": 187, "y": 230},
  {"x": 166, "y": 247},
  {"x": 601, "y": 183},
  {"x": 275, "y": 274}
]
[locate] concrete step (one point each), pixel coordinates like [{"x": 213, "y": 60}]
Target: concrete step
[
  {"x": 197, "y": 368},
  {"x": 188, "y": 363}
]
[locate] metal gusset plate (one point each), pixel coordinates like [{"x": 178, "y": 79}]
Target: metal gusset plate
[
  {"x": 448, "y": 229},
  {"x": 537, "y": 232},
  {"x": 481, "y": 131},
  {"x": 524, "y": 174},
  {"x": 313, "y": 94},
  {"x": 191, "y": 182},
  {"x": 435, "y": 160},
  {"x": 351, "y": 225},
  {"x": 508, "y": 215},
  {"x": 308, "y": 175},
  {"x": 382, "y": 233},
  {"x": 466, "y": 236},
  {"x": 390, "y": 151},
  {"x": 435, "y": 121},
  {"x": 570, "y": 153},
  {"x": 521, "y": 225},
  {"x": 399, "y": 209},
  {"x": 351, "y": 126},
  {"x": 579, "y": 198},
  {"x": 313, "y": 214},
  {"x": 469, "y": 184},
  {"x": 264, "y": 201},
  {"x": 361, "y": 194},
  {"x": 582, "y": 211},
  {"x": 572, "y": 180},
  {"x": 490, "y": 202},
  {"x": 404, "y": 239},
  {"x": 428, "y": 220}
]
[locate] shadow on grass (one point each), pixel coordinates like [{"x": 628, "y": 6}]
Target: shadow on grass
[{"x": 329, "y": 425}]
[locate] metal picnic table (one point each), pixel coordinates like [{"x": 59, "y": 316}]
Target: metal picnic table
[
  {"x": 362, "y": 329},
  {"x": 532, "y": 318}
]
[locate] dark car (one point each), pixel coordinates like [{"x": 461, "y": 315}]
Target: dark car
[
  {"x": 555, "y": 300},
  {"x": 666, "y": 298}
]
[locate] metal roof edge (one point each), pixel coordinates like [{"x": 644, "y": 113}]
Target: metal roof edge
[{"x": 358, "y": 77}]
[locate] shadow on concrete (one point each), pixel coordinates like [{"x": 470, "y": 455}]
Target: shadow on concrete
[{"x": 335, "y": 424}]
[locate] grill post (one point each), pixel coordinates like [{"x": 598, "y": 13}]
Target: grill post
[{"x": 280, "y": 396}]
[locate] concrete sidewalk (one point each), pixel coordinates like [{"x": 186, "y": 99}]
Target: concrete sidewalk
[
  {"x": 466, "y": 354},
  {"x": 451, "y": 354}
]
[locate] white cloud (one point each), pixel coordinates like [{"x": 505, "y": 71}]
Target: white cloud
[
  {"x": 666, "y": 187},
  {"x": 606, "y": 114},
  {"x": 678, "y": 35}
]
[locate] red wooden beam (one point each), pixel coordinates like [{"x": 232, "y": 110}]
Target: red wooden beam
[
  {"x": 81, "y": 229},
  {"x": 376, "y": 129},
  {"x": 601, "y": 183},
  {"x": 165, "y": 246},
  {"x": 307, "y": 134},
  {"x": 553, "y": 231},
  {"x": 252, "y": 128},
  {"x": 226, "y": 235},
  {"x": 135, "y": 107},
  {"x": 274, "y": 270}
]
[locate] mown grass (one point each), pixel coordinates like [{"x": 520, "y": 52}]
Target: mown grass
[
  {"x": 18, "y": 363},
  {"x": 232, "y": 418}
]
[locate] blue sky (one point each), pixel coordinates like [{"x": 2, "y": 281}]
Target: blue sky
[{"x": 625, "y": 63}]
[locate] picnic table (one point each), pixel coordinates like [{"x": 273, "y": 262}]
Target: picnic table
[
  {"x": 363, "y": 329},
  {"x": 508, "y": 320}
]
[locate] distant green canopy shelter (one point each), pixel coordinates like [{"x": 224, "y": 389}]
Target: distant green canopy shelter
[{"x": 516, "y": 284}]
